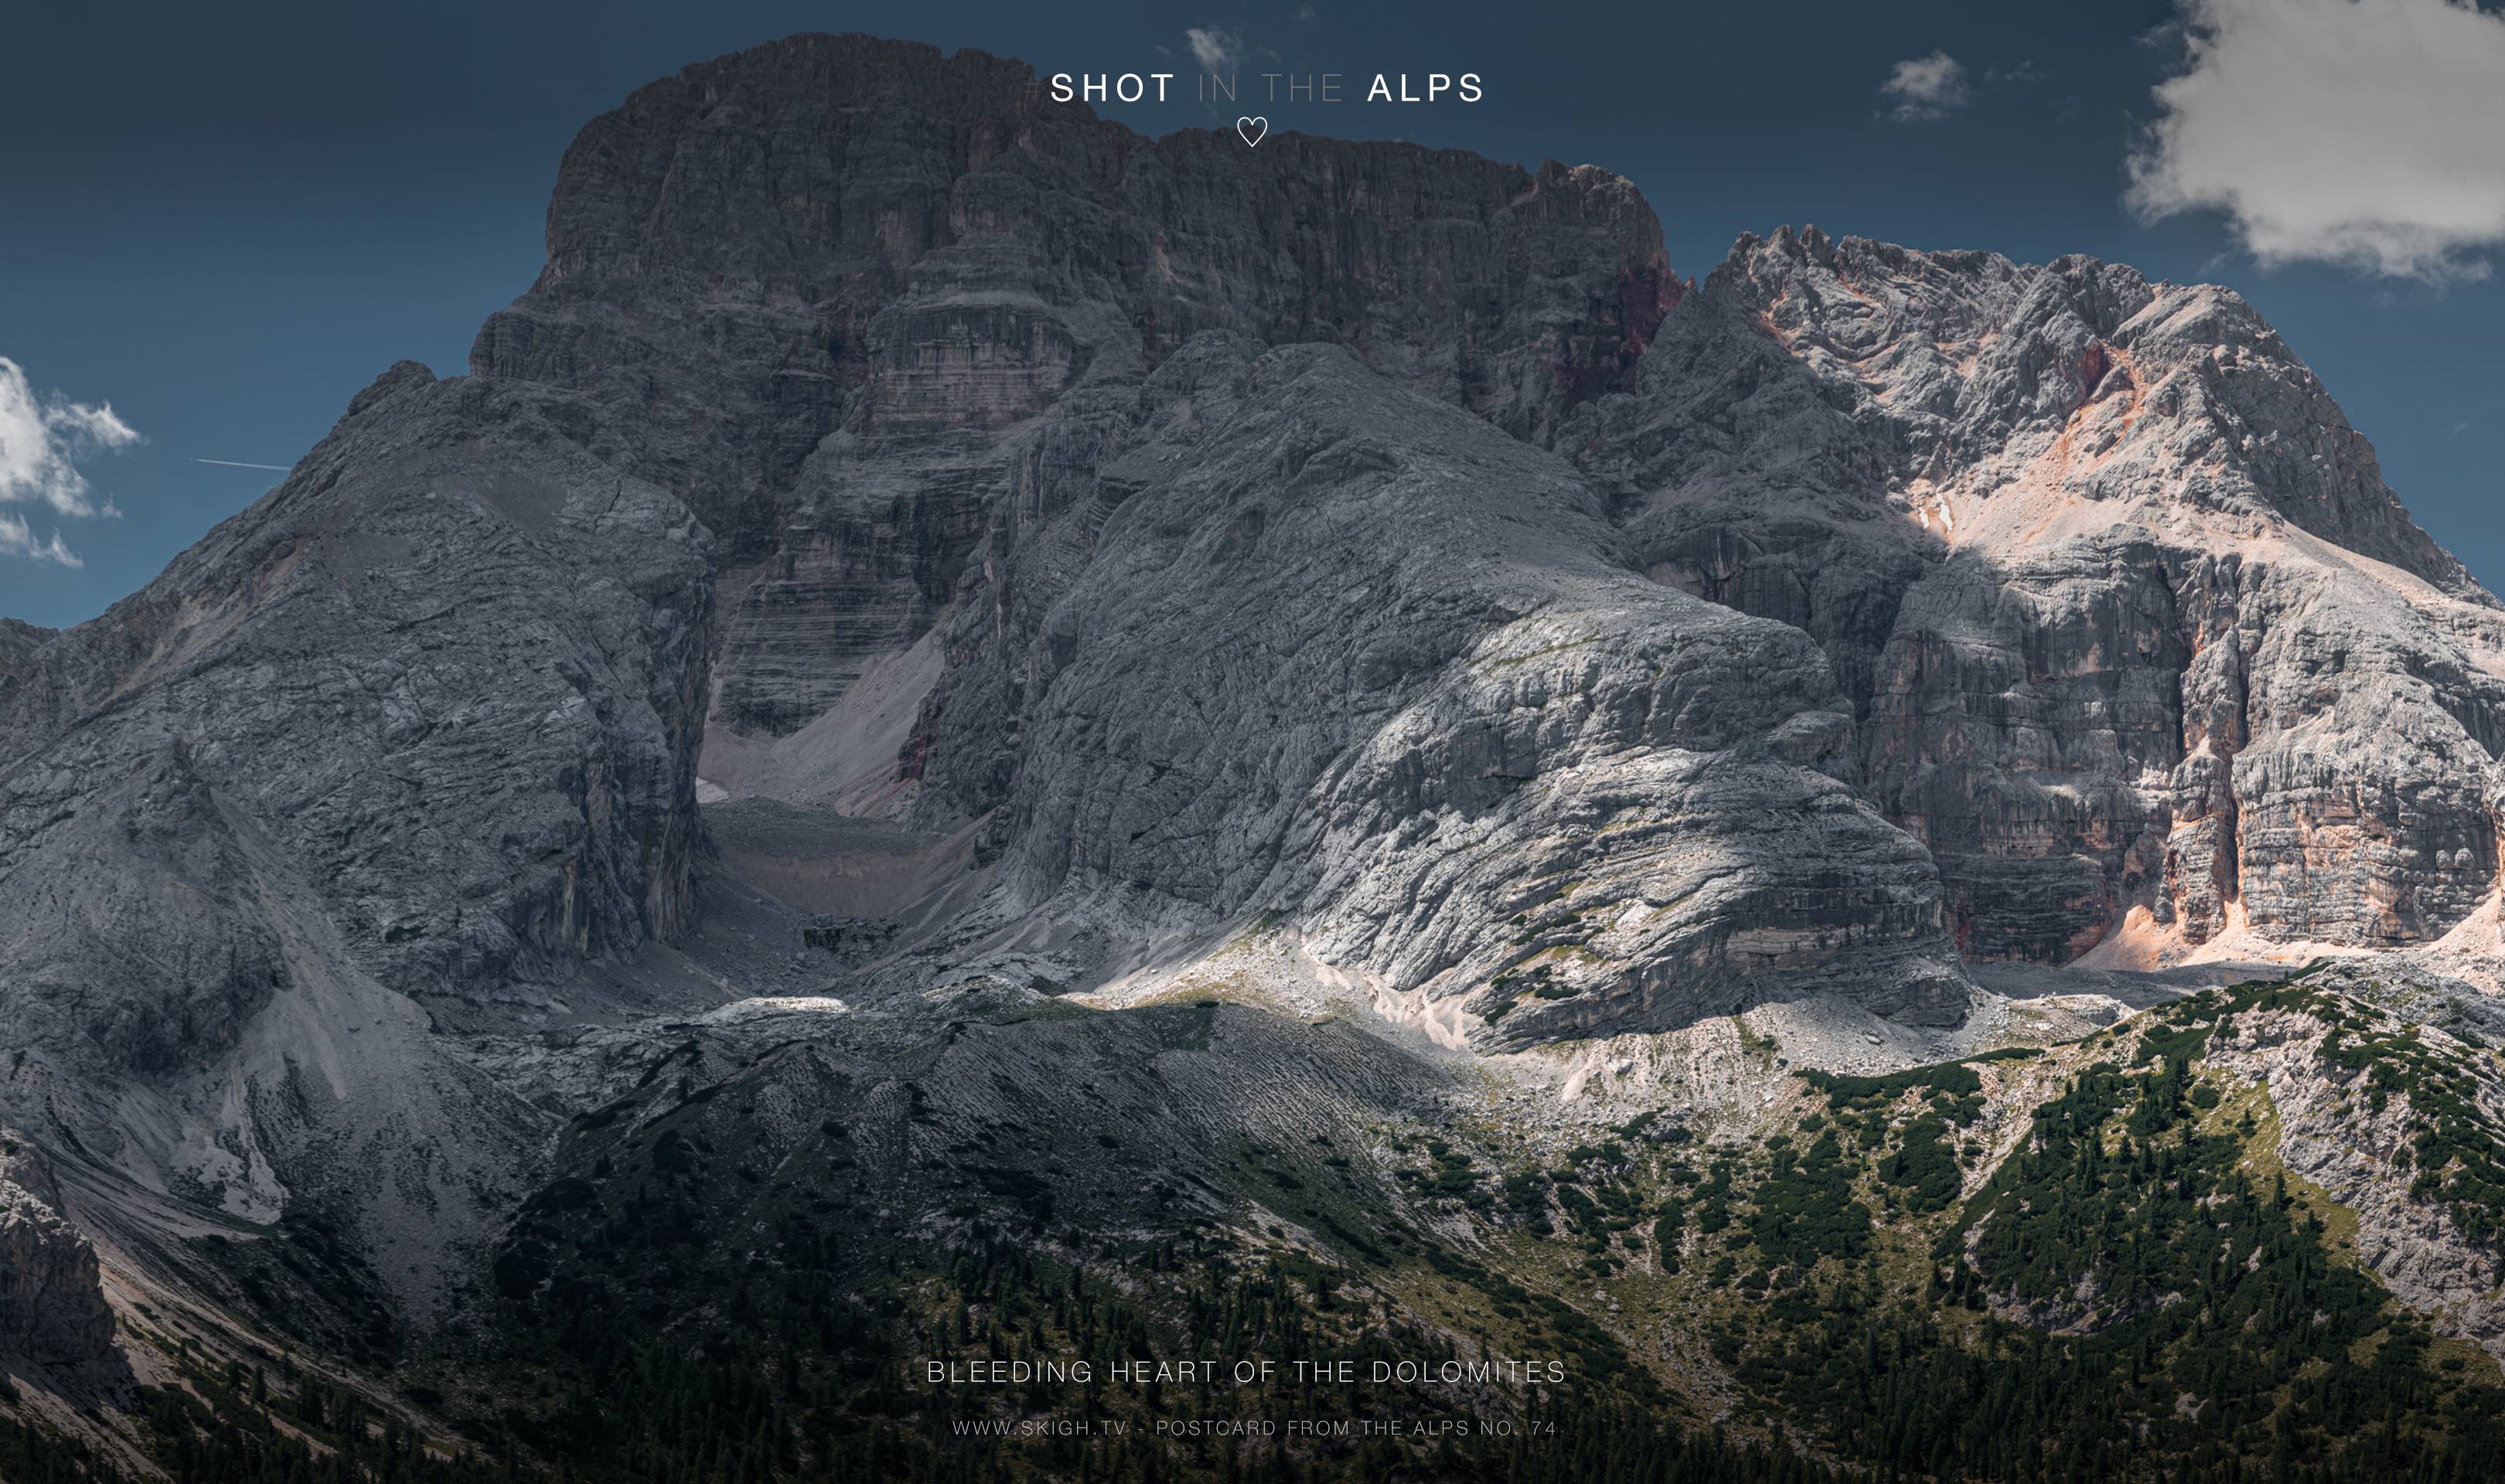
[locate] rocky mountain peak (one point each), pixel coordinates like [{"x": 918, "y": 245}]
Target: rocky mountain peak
[
  {"x": 815, "y": 235},
  {"x": 839, "y": 293},
  {"x": 2145, "y": 650},
  {"x": 399, "y": 376},
  {"x": 2004, "y": 406}
]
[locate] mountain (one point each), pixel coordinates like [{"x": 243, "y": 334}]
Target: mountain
[
  {"x": 974, "y": 736},
  {"x": 2143, "y": 646}
]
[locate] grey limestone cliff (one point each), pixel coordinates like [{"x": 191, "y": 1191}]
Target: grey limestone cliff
[
  {"x": 2145, "y": 650},
  {"x": 833, "y": 293},
  {"x": 401, "y": 747},
  {"x": 53, "y": 1314}
]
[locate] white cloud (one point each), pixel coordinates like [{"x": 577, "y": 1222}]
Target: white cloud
[
  {"x": 1925, "y": 87},
  {"x": 2367, "y": 133},
  {"x": 42, "y": 438},
  {"x": 1214, "y": 49},
  {"x": 17, "y": 540}
]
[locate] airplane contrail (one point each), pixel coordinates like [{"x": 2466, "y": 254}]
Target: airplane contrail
[{"x": 232, "y": 464}]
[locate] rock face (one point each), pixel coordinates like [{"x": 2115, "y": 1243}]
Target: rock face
[
  {"x": 406, "y": 743},
  {"x": 828, "y": 290},
  {"x": 53, "y": 1313},
  {"x": 915, "y": 387},
  {"x": 450, "y": 670},
  {"x": 2143, "y": 648},
  {"x": 1438, "y": 720}
]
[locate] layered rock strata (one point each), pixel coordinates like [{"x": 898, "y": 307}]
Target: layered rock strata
[{"x": 2145, "y": 648}]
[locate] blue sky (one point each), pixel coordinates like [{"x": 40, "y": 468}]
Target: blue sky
[{"x": 222, "y": 221}]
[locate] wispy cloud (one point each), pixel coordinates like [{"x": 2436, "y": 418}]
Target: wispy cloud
[
  {"x": 2358, "y": 132},
  {"x": 1921, "y": 89},
  {"x": 17, "y": 539},
  {"x": 1214, "y": 49},
  {"x": 43, "y": 438}
]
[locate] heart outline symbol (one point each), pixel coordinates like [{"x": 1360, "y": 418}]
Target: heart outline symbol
[{"x": 1252, "y": 130}]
